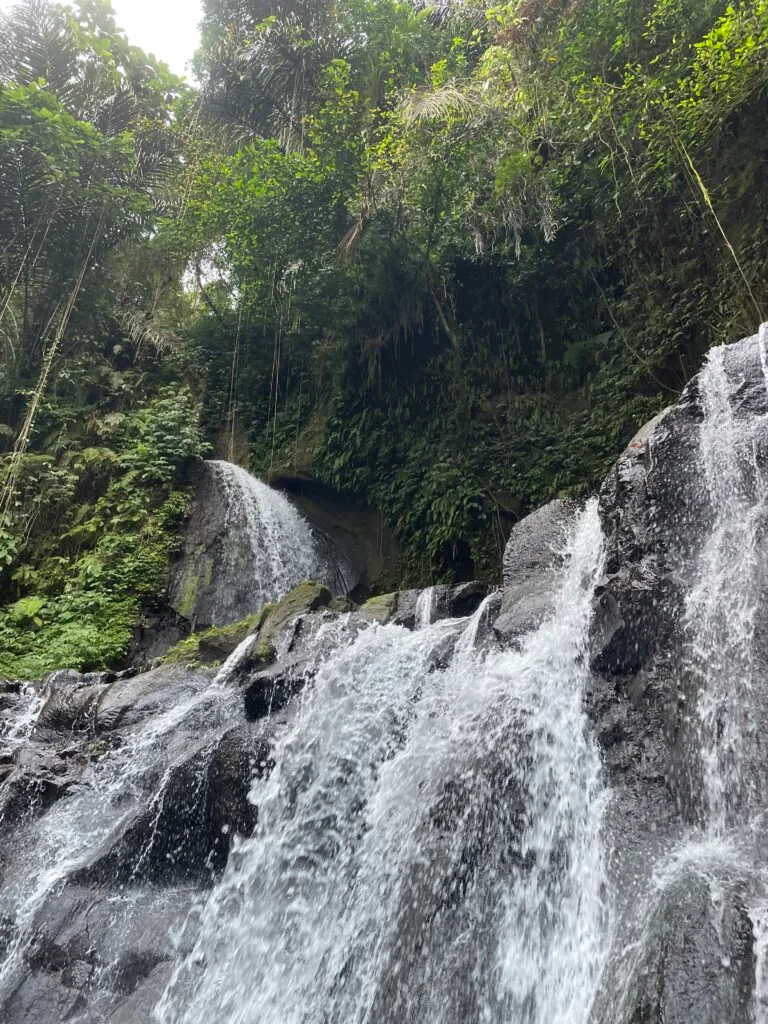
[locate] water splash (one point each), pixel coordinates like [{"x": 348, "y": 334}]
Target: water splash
[{"x": 428, "y": 844}]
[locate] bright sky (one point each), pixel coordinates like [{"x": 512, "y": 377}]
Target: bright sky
[{"x": 166, "y": 28}]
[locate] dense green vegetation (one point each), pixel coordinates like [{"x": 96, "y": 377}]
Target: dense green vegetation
[{"x": 445, "y": 258}]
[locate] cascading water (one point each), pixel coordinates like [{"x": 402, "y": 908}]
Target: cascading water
[
  {"x": 428, "y": 845},
  {"x": 279, "y": 541},
  {"x": 725, "y": 599},
  {"x": 694, "y": 935},
  {"x": 722, "y": 616},
  {"x": 110, "y": 793}
]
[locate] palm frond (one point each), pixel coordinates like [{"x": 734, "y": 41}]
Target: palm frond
[
  {"x": 142, "y": 329},
  {"x": 435, "y": 104}
]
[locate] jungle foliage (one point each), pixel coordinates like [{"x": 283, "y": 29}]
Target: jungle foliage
[
  {"x": 465, "y": 251},
  {"x": 445, "y": 257}
]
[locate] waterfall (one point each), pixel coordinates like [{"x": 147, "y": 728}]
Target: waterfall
[
  {"x": 245, "y": 545},
  {"x": 280, "y": 549},
  {"x": 723, "y": 615},
  {"x": 424, "y": 829},
  {"x": 694, "y": 931},
  {"x": 428, "y": 844},
  {"x": 724, "y": 601}
]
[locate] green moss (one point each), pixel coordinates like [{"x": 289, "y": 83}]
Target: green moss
[
  {"x": 380, "y": 608},
  {"x": 307, "y": 597},
  {"x": 186, "y": 605},
  {"x": 193, "y": 649},
  {"x": 263, "y": 653},
  {"x": 213, "y": 644}
]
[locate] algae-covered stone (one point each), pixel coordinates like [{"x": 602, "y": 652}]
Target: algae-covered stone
[
  {"x": 214, "y": 644},
  {"x": 341, "y": 604},
  {"x": 262, "y": 653},
  {"x": 380, "y": 609},
  {"x": 218, "y": 644},
  {"x": 307, "y": 597}
]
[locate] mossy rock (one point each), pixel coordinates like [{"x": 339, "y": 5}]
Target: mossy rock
[
  {"x": 341, "y": 604},
  {"x": 262, "y": 653},
  {"x": 307, "y": 597},
  {"x": 213, "y": 645},
  {"x": 380, "y": 609}
]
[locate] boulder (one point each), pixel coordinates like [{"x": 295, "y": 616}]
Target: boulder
[
  {"x": 185, "y": 831},
  {"x": 380, "y": 609},
  {"x": 537, "y": 542},
  {"x": 306, "y": 598},
  {"x": 448, "y": 602},
  {"x": 689, "y": 957},
  {"x": 532, "y": 559},
  {"x": 132, "y": 700},
  {"x": 461, "y": 600},
  {"x": 39, "y": 774},
  {"x": 71, "y": 700}
]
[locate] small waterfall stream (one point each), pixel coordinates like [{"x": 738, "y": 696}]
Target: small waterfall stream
[
  {"x": 704, "y": 888},
  {"x": 724, "y": 601},
  {"x": 723, "y": 612},
  {"x": 279, "y": 550}
]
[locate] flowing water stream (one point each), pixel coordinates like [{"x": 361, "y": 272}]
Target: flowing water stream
[
  {"x": 279, "y": 552},
  {"x": 723, "y": 613},
  {"x": 716, "y": 873}
]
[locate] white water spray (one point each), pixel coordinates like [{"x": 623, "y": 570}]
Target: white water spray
[{"x": 428, "y": 846}]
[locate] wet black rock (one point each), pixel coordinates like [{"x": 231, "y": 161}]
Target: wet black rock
[
  {"x": 355, "y": 540},
  {"x": 71, "y": 699},
  {"x": 98, "y": 956},
  {"x": 37, "y": 776},
  {"x": 131, "y": 700},
  {"x": 694, "y": 961},
  {"x": 460, "y": 600},
  {"x": 270, "y": 691},
  {"x": 185, "y": 831}
]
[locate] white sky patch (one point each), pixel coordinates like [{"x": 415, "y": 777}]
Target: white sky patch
[{"x": 166, "y": 28}]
